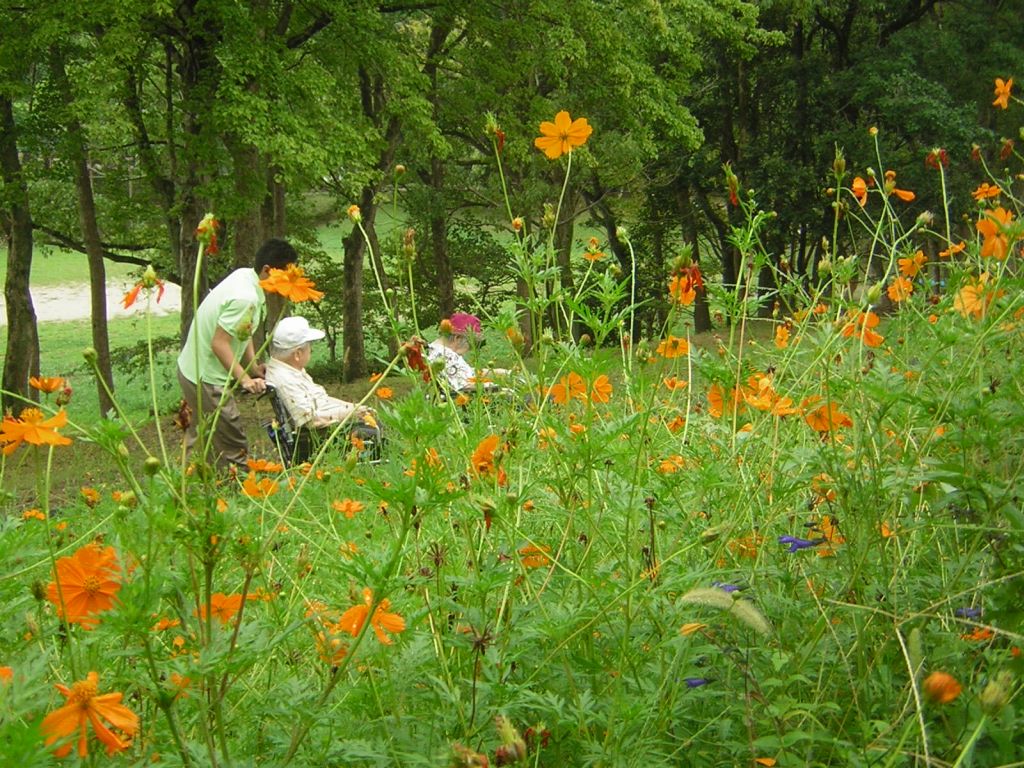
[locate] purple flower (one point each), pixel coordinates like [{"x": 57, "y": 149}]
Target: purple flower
[
  {"x": 695, "y": 682},
  {"x": 796, "y": 544},
  {"x": 726, "y": 587},
  {"x": 967, "y": 612}
]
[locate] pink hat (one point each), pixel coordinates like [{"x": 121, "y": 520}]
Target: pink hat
[{"x": 462, "y": 322}]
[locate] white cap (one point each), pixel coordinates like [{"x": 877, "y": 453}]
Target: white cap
[{"x": 293, "y": 332}]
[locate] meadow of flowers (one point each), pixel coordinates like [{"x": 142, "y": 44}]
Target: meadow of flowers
[{"x": 796, "y": 548}]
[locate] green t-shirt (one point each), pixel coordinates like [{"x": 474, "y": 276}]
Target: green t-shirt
[{"x": 237, "y": 304}]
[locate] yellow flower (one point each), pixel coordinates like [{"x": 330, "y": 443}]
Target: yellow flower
[
  {"x": 1002, "y": 93},
  {"x": 563, "y": 135}
]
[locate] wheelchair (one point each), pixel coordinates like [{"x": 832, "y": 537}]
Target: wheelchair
[{"x": 297, "y": 445}]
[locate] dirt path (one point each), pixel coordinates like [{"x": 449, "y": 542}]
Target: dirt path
[{"x": 59, "y": 303}]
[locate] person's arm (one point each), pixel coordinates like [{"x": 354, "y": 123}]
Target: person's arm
[
  {"x": 221, "y": 347},
  {"x": 249, "y": 361}
]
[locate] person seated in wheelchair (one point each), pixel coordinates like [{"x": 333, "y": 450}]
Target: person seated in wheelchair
[
  {"x": 446, "y": 354},
  {"x": 308, "y": 403}
]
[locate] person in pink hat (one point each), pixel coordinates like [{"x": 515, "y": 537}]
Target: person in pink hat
[{"x": 457, "y": 335}]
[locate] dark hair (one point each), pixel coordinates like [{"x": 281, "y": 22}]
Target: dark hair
[{"x": 275, "y": 253}]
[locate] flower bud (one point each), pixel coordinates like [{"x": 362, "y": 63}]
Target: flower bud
[
  {"x": 874, "y": 293},
  {"x": 825, "y": 266},
  {"x": 517, "y": 224},
  {"x": 925, "y": 218},
  {"x": 622, "y": 233},
  {"x": 515, "y": 337},
  {"x": 996, "y": 694},
  {"x": 149, "y": 278},
  {"x": 445, "y": 327},
  {"x": 399, "y": 169},
  {"x": 491, "y": 124},
  {"x": 586, "y": 340},
  {"x": 549, "y": 215},
  {"x": 151, "y": 465},
  {"x": 63, "y": 397},
  {"x": 409, "y": 243},
  {"x": 839, "y": 163},
  {"x": 90, "y": 354},
  {"x": 354, "y": 213},
  {"x": 872, "y": 131}
]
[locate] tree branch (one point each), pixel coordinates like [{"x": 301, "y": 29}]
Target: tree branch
[{"x": 56, "y": 237}]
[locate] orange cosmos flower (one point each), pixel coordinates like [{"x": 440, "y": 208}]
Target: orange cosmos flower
[
  {"x": 671, "y": 464},
  {"x": 482, "y": 462},
  {"x": 6, "y": 674},
  {"x": 1002, "y": 93},
  {"x": 534, "y": 557},
  {"x": 974, "y": 298},
  {"x": 86, "y": 584},
  {"x": 567, "y": 388},
  {"x": 149, "y": 280},
  {"x": 85, "y": 704},
  {"x": 863, "y": 324},
  {"x": 682, "y": 289},
  {"x": 259, "y": 489},
  {"x": 952, "y": 250},
  {"x": 911, "y": 266},
  {"x": 262, "y": 465},
  {"x": 601, "y": 390},
  {"x": 348, "y": 507},
  {"x": 890, "y": 188},
  {"x": 30, "y": 427},
  {"x": 385, "y": 393},
  {"x": 717, "y": 404},
  {"x": 90, "y": 496},
  {"x": 746, "y": 546},
  {"x": 824, "y": 418},
  {"x": 900, "y": 289},
  {"x": 382, "y": 621},
  {"x": 563, "y": 135},
  {"x": 47, "y": 384},
  {"x": 986, "y": 191},
  {"x": 978, "y": 635},
  {"x": 673, "y": 346},
  {"x": 222, "y": 607},
  {"x": 33, "y": 514},
  {"x": 782, "y": 336},
  {"x": 860, "y": 190},
  {"x": 672, "y": 383},
  {"x": 992, "y": 226},
  {"x": 941, "y": 687},
  {"x": 676, "y": 424},
  {"x": 291, "y": 283}
]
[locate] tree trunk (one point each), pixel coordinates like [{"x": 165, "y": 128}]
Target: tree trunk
[
  {"x": 691, "y": 233},
  {"x": 21, "y": 358},
  {"x": 439, "y": 244},
  {"x": 78, "y": 149},
  {"x": 353, "y": 343}
]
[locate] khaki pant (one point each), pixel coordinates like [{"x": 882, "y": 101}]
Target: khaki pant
[{"x": 229, "y": 445}]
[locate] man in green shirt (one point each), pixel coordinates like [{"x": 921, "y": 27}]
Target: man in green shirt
[{"x": 219, "y": 351}]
